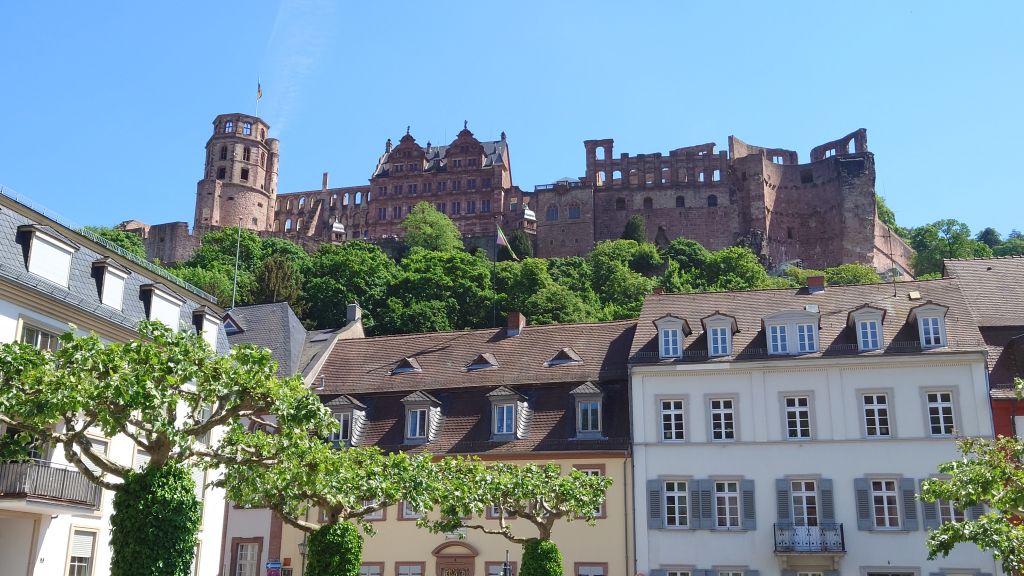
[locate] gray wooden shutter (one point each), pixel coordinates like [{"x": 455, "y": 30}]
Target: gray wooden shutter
[
  {"x": 707, "y": 505},
  {"x": 930, "y": 514},
  {"x": 828, "y": 506},
  {"x": 908, "y": 489},
  {"x": 694, "y": 511},
  {"x": 975, "y": 512},
  {"x": 785, "y": 517},
  {"x": 749, "y": 521},
  {"x": 862, "y": 489},
  {"x": 655, "y": 517}
]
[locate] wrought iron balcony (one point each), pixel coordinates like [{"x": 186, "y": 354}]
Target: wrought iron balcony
[
  {"x": 822, "y": 539},
  {"x": 41, "y": 480}
]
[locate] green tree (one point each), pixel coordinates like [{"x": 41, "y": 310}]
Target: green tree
[
  {"x": 278, "y": 280},
  {"x": 1012, "y": 247},
  {"x": 847, "y": 274},
  {"x": 166, "y": 393},
  {"x": 429, "y": 229},
  {"x": 636, "y": 229},
  {"x": 128, "y": 241},
  {"x": 735, "y": 268},
  {"x": 689, "y": 254},
  {"x": 799, "y": 276},
  {"x": 215, "y": 280},
  {"x": 989, "y": 237},
  {"x": 520, "y": 243},
  {"x": 886, "y": 215},
  {"x": 337, "y": 275},
  {"x": 989, "y": 473},
  {"x": 943, "y": 239},
  {"x": 620, "y": 288},
  {"x": 219, "y": 247}
]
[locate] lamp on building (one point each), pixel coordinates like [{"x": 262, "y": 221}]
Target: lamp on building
[
  {"x": 302, "y": 551},
  {"x": 506, "y": 568}
]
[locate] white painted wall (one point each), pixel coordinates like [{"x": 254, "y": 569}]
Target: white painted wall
[
  {"x": 838, "y": 451},
  {"x": 50, "y": 259},
  {"x": 15, "y": 540}
]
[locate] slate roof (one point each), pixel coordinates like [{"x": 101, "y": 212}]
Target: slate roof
[
  {"x": 834, "y": 304},
  {"x": 994, "y": 288},
  {"x": 83, "y": 286},
  {"x": 276, "y": 327},
  {"x": 365, "y": 364},
  {"x": 437, "y": 158}
]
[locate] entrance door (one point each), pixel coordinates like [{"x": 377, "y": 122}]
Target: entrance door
[
  {"x": 455, "y": 565},
  {"x": 806, "y": 531}
]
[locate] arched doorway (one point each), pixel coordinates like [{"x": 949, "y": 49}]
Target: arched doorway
[{"x": 455, "y": 559}]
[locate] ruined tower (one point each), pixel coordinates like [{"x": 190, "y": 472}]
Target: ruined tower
[{"x": 239, "y": 182}]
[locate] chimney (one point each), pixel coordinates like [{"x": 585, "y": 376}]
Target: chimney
[
  {"x": 516, "y": 323},
  {"x": 815, "y": 284},
  {"x": 353, "y": 313},
  {"x": 323, "y": 186},
  {"x": 659, "y": 290},
  {"x": 353, "y": 322}
]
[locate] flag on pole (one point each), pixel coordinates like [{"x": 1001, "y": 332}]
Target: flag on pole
[
  {"x": 503, "y": 241},
  {"x": 259, "y": 90}
]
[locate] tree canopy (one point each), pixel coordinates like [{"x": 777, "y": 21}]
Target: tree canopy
[
  {"x": 429, "y": 229},
  {"x": 128, "y": 241}
]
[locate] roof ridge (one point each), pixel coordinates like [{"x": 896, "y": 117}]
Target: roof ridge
[
  {"x": 792, "y": 288},
  {"x": 497, "y": 328}
]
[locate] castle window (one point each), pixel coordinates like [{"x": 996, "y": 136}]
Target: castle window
[
  {"x": 344, "y": 199},
  {"x": 382, "y": 213},
  {"x": 712, "y": 200},
  {"x": 456, "y": 207},
  {"x": 634, "y": 177},
  {"x": 359, "y": 198},
  {"x": 716, "y": 176},
  {"x": 574, "y": 212},
  {"x": 298, "y": 224},
  {"x": 486, "y": 183},
  {"x": 455, "y": 185},
  {"x": 254, "y": 222},
  {"x": 221, "y": 172},
  {"x": 442, "y": 186},
  {"x": 246, "y": 153},
  {"x": 470, "y": 206},
  {"x": 412, "y": 188},
  {"x": 471, "y": 184},
  {"x": 665, "y": 175},
  {"x": 700, "y": 176},
  {"x": 648, "y": 203},
  {"x": 229, "y": 127},
  {"x": 806, "y": 176},
  {"x": 458, "y": 163},
  {"x": 247, "y": 128},
  {"x": 680, "y": 202},
  {"x": 302, "y": 202},
  {"x": 617, "y": 177},
  {"x": 552, "y": 213},
  {"x": 620, "y": 203},
  {"x": 428, "y": 187},
  {"x": 778, "y": 160},
  {"x": 334, "y": 200},
  {"x": 245, "y": 175},
  {"x": 288, "y": 225},
  {"x": 830, "y": 153},
  {"x": 789, "y": 232},
  {"x": 263, "y": 134},
  {"x": 223, "y": 152},
  {"x": 396, "y": 212},
  {"x": 649, "y": 178},
  {"x": 485, "y": 205}
]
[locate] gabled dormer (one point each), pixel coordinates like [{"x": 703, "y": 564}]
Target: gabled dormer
[
  {"x": 510, "y": 414},
  {"x": 483, "y": 362},
  {"x": 867, "y": 323},
  {"x": 207, "y": 325},
  {"x": 792, "y": 332},
  {"x": 564, "y": 356},
  {"x": 930, "y": 319},
  {"x": 672, "y": 330},
  {"x": 162, "y": 304},
  {"x": 47, "y": 253},
  {"x": 405, "y": 366},
  {"x": 351, "y": 417},
  {"x": 588, "y": 399},
  {"x": 110, "y": 277},
  {"x": 719, "y": 329},
  {"x": 422, "y": 417}
]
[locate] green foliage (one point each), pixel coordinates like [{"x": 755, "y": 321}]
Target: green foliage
[
  {"x": 335, "y": 550},
  {"x": 520, "y": 243},
  {"x": 886, "y": 215},
  {"x": 690, "y": 255},
  {"x": 1012, "y": 247},
  {"x": 734, "y": 268},
  {"x": 541, "y": 558},
  {"x": 339, "y": 274},
  {"x": 799, "y": 276},
  {"x": 278, "y": 280},
  {"x": 429, "y": 229},
  {"x": 129, "y": 241},
  {"x": 989, "y": 237},
  {"x": 847, "y": 274},
  {"x": 636, "y": 229},
  {"x": 989, "y": 473},
  {"x": 155, "y": 521},
  {"x": 943, "y": 239},
  {"x": 219, "y": 248}
]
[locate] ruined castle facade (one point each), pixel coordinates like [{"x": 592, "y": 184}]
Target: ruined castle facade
[{"x": 818, "y": 214}]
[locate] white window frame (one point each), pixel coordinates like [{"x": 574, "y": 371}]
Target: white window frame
[
  {"x": 672, "y": 333},
  {"x": 505, "y": 424},
  {"x": 41, "y": 334},
  {"x": 408, "y": 513},
  {"x": 932, "y": 330},
  {"x": 719, "y": 341},
  {"x": 949, "y": 513},
  {"x": 727, "y": 416},
  {"x": 874, "y": 413},
  {"x": 947, "y": 412},
  {"x": 677, "y": 419},
  {"x": 805, "y": 500},
  {"x": 342, "y": 418},
  {"x": 421, "y": 422},
  {"x": 807, "y": 338},
  {"x": 869, "y": 335},
  {"x": 727, "y": 499},
  {"x": 580, "y": 428},
  {"x": 248, "y": 566},
  {"x": 670, "y": 345},
  {"x": 680, "y": 499},
  {"x": 90, "y": 565},
  {"x": 891, "y": 509},
  {"x": 795, "y": 411},
  {"x": 778, "y": 343}
]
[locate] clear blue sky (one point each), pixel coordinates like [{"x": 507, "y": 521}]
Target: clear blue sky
[{"x": 106, "y": 105}]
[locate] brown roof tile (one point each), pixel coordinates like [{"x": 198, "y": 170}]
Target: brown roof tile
[{"x": 994, "y": 288}]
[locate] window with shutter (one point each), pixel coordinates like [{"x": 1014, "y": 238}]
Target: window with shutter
[
  {"x": 828, "y": 508},
  {"x": 727, "y": 505},
  {"x": 83, "y": 545},
  {"x": 654, "y": 513},
  {"x": 908, "y": 491},
  {"x": 862, "y": 491},
  {"x": 749, "y": 510},
  {"x": 677, "y": 505},
  {"x": 782, "y": 503}
]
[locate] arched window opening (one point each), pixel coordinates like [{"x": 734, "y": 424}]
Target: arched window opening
[
  {"x": 680, "y": 202},
  {"x": 620, "y": 203},
  {"x": 712, "y": 200},
  {"x": 600, "y": 151},
  {"x": 648, "y": 203},
  {"x": 602, "y": 177},
  {"x": 666, "y": 175},
  {"x": 288, "y": 225},
  {"x": 223, "y": 152},
  {"x": 552, "y": 213},
  {"x": 617, "y": 177},
  {"x": 302, "y": 202},
  {"x": 574, "y": 212},
  {"x": 344, "y": 199},
  {"x": 359, "y": 198}
]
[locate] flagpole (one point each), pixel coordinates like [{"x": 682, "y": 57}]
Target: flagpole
[
  {"x": 494, "y": 274},
  {"x": 238, "y": 245},
  {"x": 259, "y": 92}
]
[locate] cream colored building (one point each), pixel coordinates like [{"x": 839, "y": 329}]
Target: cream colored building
[{"x": 53, "y": 521}]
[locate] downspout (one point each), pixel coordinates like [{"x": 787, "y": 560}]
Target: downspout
[{"x": 632, "y": 471}]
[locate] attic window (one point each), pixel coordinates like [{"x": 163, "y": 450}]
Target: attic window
[
  {"x": 231, "y": 328},
  {"x": 49, "y": 254},
  {"x": 510, "y": 413},
  {"x": 406, "y": 365},
  {"x": 111, "y": 281},
  {"x": 564, "y": 356},
  {"x": 422, "y": 417},
  {"x": 671, "y": 332},
  {"x": 207, "y": 325},
  {"x": 589, "y": 411},
  {"x": 162, "y": 305},
  {"x": 483, "y": 362}
]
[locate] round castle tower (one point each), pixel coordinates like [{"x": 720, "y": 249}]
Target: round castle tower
[{"x": 239, "y": 182}]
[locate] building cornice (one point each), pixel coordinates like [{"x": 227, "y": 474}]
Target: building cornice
[{"x": 58, "y": 309}]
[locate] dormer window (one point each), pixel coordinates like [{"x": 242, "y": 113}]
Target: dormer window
[
  {"x": 509, "y": 413},
  {"x": 718, "y": 341},
  {"x": 792, "y": 331},
  {"x": 110, "y": 277},
  {"x": 483, "y": 362},
  {"x": 777, "y": 342},
  {"x": 162, "y": 305},
  {"x": 866, "y": 323},
  {"x": 207, "y": 325},
  {"x": 49, "y": 253},
  {"x": 867, "y": 335},
  {"x": 422, "y": 417},
  {"x": 589, "y": 408},
  {"x": 416, "y": 420},
  {"x": 406, "y": 365},
  {"x": 350, "y": 414},
  {"x": 719, "y": 329},
  {"x": 504, "y": 419},
  {"x": 807, "y": 340},
  {"x": 344, "y": 431},
  {"x": 931, "y": 324},
  {"x": 671, "y": 332},
  {"x": 564, "y": 356}
]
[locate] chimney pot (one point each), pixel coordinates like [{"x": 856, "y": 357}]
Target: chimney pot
[
  {"x": 324, "y": 184},
  {"x": 353, "y": 313},
  {"x": 815, "y": 284},
  {"x": 516, "y": 323},
  {"x": 659, "y": 290}
]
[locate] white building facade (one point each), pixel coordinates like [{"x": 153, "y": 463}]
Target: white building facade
[
  {"x": 53, "y": 521},
  {"x": 786, "y": 432}
]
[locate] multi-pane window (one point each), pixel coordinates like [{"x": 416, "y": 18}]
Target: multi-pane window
[
  {"x": 677, "y": 573},
  {"x": 940, "y": 413},
  {"x": 599, "y": 511},
  {"x": 805, "y": 338},
  {"x": 590, "y": 570},
  {"x": 344, "y": 433},
  {"x": 246, "y": 153},
  {"x": 248, "y": 559},
  {"x": 676, "y": 505},
  {"x": 884, "y": 501},
  {"x": 777, "y": 343},
  {"x": 416, "y": 423},
  {"x": 798, "y": 417},
  {"x": 723, "y": 419},
  {"x": 370, "y": 570},
  {"x": 718, "y": 340},
  {"x": 931, "y": 333},
  {"x": 588, "y": 416},
  {"x": 229, "y": 127},
  {"x": 670, "y": 342},
  {"x": 247, "y": 128},
  {"x": 804, "y": 495},
  {"x": 727, "y": 504},
  {"x": 505, "y": 419},
  {"x": 728, "y": 572},
  {"x": 673, "y": 420},
  {"x": 83, "y": 546},
  {"x": 485, "y": 205},
  {"x": 471, "y": 184},
  {"x": 876, "y": 415},
  {"x": 574, "y": 212},
  {"x": 868, "y": 334},
  {"x": 410, "y": 569},
  {"x": 949, "y": 512},
  {"x": 470, "y": 206},
  {"x": 456, "y": 207},
  {"x": 409, "y": 512},
  {"x": 41, "y": 339}
]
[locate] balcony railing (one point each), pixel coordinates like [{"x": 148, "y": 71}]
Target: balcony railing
[
  {"x": 38, "y": 479},
  {"x": 823, "y": 539}
]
